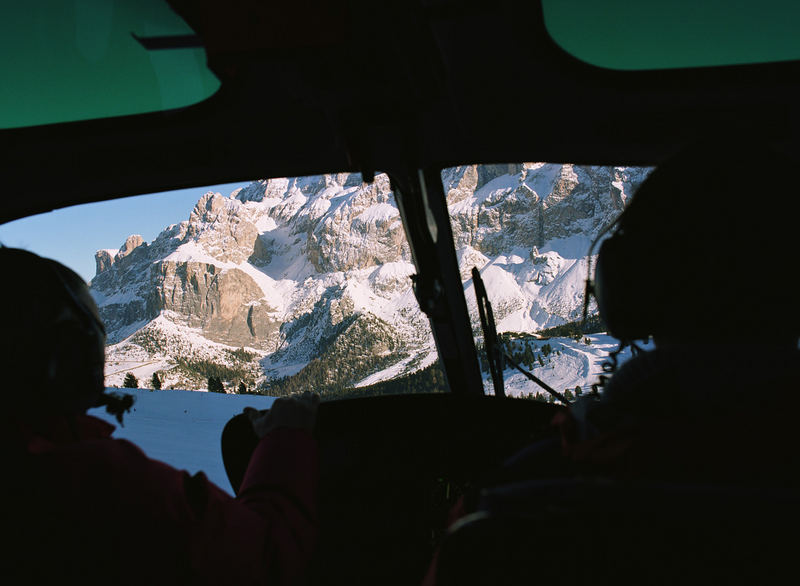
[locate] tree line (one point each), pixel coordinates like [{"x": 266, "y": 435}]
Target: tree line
[
  {"x": 131, "y": 381},
  {"x": 351, "y": 357}
]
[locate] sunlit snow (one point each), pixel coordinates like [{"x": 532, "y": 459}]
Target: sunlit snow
[
  {"x": 379, "y": 212},
  {"x": 183, "y": 428},
  {"x": 572, "y": 363}
]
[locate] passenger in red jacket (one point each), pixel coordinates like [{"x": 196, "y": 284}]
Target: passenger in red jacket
[{"x": 83, "y": 507}]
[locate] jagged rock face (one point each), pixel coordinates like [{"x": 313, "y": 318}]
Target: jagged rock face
[
  {"x": 131, "y": 242},
  {"x": 364, "y": 231},
  {"x": 216, "y": 225},
  {"x": 107, "y": 257},
  {"x": 331, "y": 223},
  {"x": 104, "y": 259},
  {"x": 286, "y": 266},
  {"x": 507, "y": 206},
  {"x": 226, "y": 304},
  {"x": 341, "y": 223}
]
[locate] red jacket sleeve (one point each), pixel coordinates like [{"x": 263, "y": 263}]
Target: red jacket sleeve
[
  {"x": 103, "y": 501},
  {"x": 268, "y": 532}
]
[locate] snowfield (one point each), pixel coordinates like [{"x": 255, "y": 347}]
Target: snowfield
[
  {"x": 571, "y": 364},
  {"x": 182, "y": 428}
]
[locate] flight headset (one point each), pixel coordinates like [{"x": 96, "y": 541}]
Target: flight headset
[
  {"x": 69, "y": 378},
  {"x": 635, "y": 291},
  {"x": 73, "y": 369},
  {"x": 624, "y": 284},
  {"x": 77, "y": 369}
]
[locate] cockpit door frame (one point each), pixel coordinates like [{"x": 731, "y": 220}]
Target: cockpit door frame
[{"x": 437, "y": 283}]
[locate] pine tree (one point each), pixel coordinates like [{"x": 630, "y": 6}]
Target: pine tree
[
  {"x": 130, "y": 382},
  {"x": 215, "y": 385},
  {"x": 156, "y": 381},
  {"x": 529, "y": 357},
  {"x": 242, "y": 388}
]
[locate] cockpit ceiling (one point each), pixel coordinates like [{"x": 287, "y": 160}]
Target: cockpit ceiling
[
  {"x": 619, "y": 34},
  {"x": 97, "y": 59},
  {"x": 310, "y": 87}
]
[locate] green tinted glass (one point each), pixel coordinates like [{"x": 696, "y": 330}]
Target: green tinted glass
[
  {"x": 67, "y": 60},
  {"x": 620, "y": 34}
]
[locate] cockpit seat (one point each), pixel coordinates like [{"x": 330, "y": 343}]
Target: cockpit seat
[{"x": 598, "y": 531}]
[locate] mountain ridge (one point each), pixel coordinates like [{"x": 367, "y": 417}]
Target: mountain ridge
[{"x": 285, "y": 269}]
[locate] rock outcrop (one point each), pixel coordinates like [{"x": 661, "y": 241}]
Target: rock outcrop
[
  {"x": 132, "y": 242},
  {"x": 104, "y": 259}
]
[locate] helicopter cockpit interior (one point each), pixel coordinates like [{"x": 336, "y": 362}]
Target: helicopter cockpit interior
[{"x": 413, "y": 93}]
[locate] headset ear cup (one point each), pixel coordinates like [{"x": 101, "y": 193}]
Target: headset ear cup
[
  {"x": 72, "y": 373},
  {"x": 622, "y": 290}
]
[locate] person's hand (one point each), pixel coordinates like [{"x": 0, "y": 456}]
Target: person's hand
[{"x": 298, "y": 412}]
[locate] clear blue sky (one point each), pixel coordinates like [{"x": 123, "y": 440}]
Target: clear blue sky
[{"x": 72, "y": 235}]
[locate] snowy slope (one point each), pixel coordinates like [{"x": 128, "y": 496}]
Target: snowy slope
[
  {"x": 183, "y": 428},
  {"x": 571, "y": 364}
]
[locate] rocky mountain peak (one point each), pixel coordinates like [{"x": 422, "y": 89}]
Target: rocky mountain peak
[
  {"x": 131, "y": 242},
  {"x": 213, "y": 207},
  {"x": 104, "y": 259}
]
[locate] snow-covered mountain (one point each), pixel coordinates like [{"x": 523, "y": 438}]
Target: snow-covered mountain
[{"x": 259, "y": 284}]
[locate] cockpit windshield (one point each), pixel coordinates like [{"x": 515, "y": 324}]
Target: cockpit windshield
[
  {"x": 528, "y": 229},
  {"x": 270, "y": 287},
  {"x": 281, "y": 285}
]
